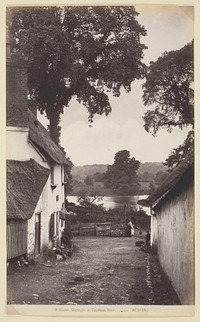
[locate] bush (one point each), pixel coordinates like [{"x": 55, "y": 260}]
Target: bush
[{"x": 116, "y": 215}]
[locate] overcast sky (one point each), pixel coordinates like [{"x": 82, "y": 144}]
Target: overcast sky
[{"x": 168, "y": 28}]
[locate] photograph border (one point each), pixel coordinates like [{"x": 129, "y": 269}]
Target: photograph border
[{"x": 185, "y": 313}]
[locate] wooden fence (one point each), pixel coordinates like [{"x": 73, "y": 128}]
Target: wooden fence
[
  {"x": 16, "y": 238},
  {"x": 98, "y": 229}
]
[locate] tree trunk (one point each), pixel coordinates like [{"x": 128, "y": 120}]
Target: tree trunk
[{"x": 53, "y": 127}]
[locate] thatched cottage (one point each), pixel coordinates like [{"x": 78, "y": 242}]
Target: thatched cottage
[
  {"x": 35, "y": 172},
  {"x": 172, "y": 229}
]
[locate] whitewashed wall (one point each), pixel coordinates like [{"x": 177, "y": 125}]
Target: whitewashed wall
[
  {"x": 173, "y": 230},
  {"x": 19, "y": 148},
  {"x": 56, "y": 197},
  {"x": 16, "y": 144},
  {"x": 31, "y": 237},
  {"x": 42, "y": 207},
  {"x": 50, "y": 202},
  {"x": 154, "y": 230}
]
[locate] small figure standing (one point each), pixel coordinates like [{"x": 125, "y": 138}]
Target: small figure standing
[
  {"x": 67, "y": 236},
  {"x": 148, "y": 238},
  {"x": 129, "y": 228}
]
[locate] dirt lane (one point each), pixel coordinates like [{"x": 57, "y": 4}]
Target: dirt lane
[{"x": 102, "y": 270}]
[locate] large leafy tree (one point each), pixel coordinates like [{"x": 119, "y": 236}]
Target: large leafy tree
[
  {"x": 121, "y": 176},
  {"x": 88, "y": 181},
  {"x": 82, "y": 52},
  {"x": 168, "y": 88},
  {"x": 185, "y": 150}
]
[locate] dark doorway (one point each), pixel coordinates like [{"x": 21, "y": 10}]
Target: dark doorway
[{"x": 37, "y": 234}]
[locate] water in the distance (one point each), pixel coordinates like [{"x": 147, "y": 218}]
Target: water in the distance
[{"x": 118, "y": 201}]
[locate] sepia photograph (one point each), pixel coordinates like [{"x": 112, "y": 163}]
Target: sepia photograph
[{"x": 100, "y": 189}]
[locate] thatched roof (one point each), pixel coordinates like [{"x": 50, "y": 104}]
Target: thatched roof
[
  {"x": 25, "y": 182},
  {"x": 172, "y": 181},
  {"x": 40, "y": 137}
]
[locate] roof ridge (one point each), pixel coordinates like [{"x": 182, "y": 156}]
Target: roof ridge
[
  {"x": 169, "y": 183},
  {"x": 39, "y": 135}
]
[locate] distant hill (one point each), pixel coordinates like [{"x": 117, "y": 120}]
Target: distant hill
[
  {"x": 146, "y": 175},
  {"x": 80, "y": 172},
  {"x": 151, "y": 167}
]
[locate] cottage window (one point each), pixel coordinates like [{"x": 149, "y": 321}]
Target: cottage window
[
  {"x": 63, "y": 176},
  {"x": 37, "y": 233},
  {"x": 53, "y": 185},
  {"x": 52, "y": 175}
]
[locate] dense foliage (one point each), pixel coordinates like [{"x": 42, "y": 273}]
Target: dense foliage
[
  {"x": 168, "y": 87},
  {"x": 121, "y": 176},
  {"x": 82, "y": 52},
  {"x": 116, "y": 216},
  {"x": 89, "y": 200},
  {"x": 185, "y": 150},
  {"x": 88, "y": 181}
]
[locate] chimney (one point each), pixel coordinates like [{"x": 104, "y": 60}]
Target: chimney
[{"x": 16, "y": 88}]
